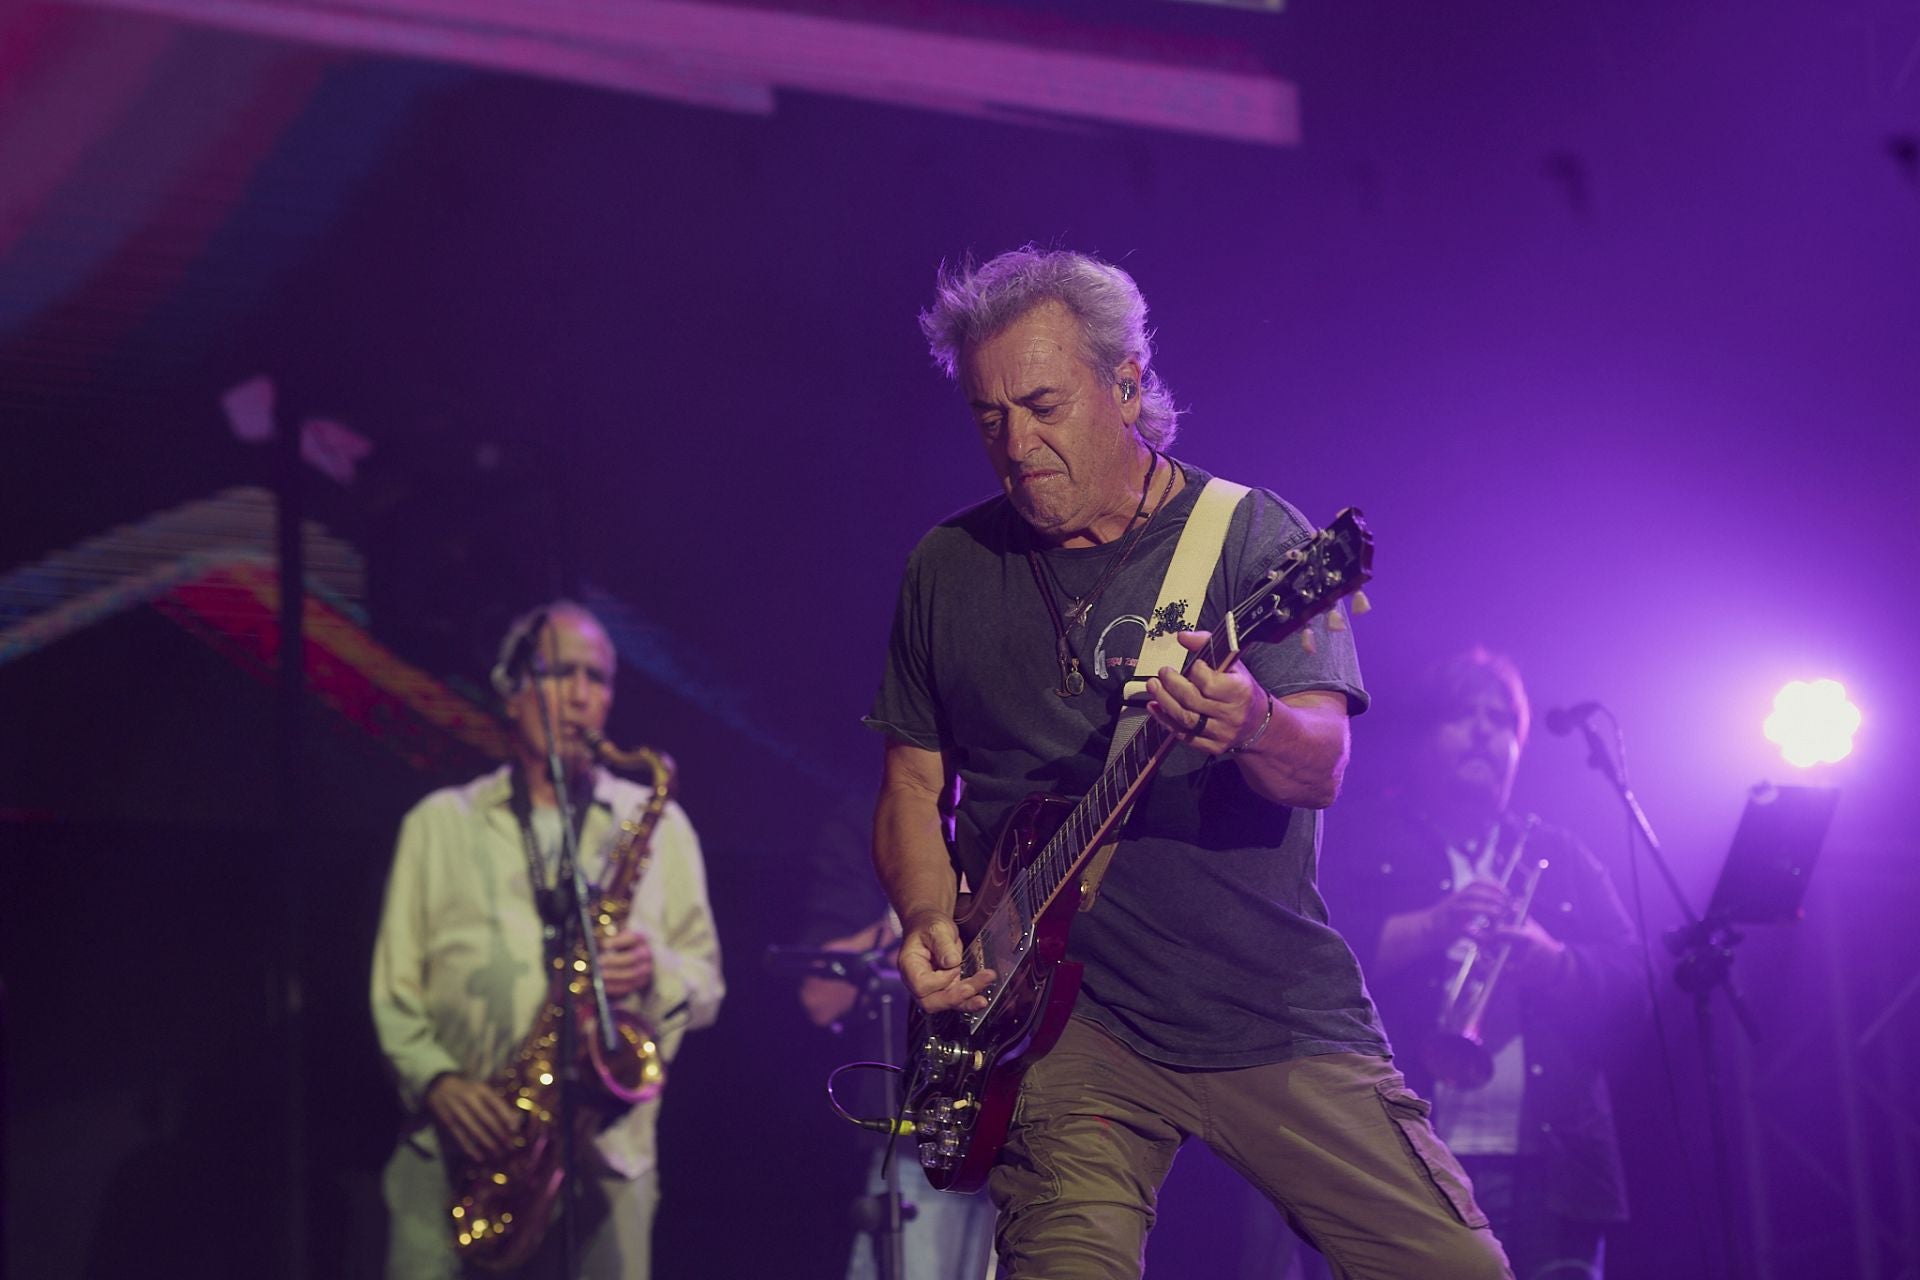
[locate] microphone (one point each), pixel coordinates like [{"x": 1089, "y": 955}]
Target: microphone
[
  {"x": 517, "y": 654},
  {"x": 1561, "y": 720}
]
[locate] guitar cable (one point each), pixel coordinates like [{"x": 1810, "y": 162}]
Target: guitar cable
[{"x": 897, "y": 1126}]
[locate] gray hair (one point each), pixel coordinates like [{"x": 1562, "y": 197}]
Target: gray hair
[
  {"x": 508, "y": 677},
  {"x": 972, "y": 304}
]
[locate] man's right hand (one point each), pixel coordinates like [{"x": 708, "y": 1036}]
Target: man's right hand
[
  {"x": 1468, "y": 912},
  {"x": 473, "y": 1115},
  {"x": 930, "y": 958}
]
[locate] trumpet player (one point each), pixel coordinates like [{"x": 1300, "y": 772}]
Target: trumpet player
[
  {"x": 476, "y": 911},
  {"x": 1502, "y": 965}
]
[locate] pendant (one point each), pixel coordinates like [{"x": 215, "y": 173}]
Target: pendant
[{"x": 1072, "y": 683}]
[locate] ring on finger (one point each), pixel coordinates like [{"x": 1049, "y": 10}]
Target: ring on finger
[{"x": 1199, "y": 726}]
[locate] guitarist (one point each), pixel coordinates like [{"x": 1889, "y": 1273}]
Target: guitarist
[{"x": 1216, "y": 1002}]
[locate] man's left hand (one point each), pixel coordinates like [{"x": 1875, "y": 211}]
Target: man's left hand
[
  {"x": 1211, "y": 710},
  {"x": 626, "y": 964}
]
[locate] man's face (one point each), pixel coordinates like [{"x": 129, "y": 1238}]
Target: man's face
[
  {"x": 573, "y": 663},
  {"x": 1059, "y": 437},
  {"x": 1473, "y": 750}
]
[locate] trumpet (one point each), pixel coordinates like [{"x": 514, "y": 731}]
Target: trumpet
[{"x": 1455, "y": 1051}]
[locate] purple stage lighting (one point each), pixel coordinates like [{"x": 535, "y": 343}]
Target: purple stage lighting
[{"x": 1812, "y": 722}]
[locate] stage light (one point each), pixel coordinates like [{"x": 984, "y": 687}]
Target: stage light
[{"x": 1812, "y": 722}]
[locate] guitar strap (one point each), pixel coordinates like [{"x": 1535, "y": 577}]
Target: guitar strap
[{"x": 1182, "y": 593}]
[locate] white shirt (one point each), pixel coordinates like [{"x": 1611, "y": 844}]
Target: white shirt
[{"x": 459, "y": 970}]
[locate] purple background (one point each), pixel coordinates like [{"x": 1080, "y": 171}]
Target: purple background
[{"x": 1608, "y": 316}]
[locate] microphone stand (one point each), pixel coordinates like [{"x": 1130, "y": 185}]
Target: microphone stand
[
  {"x": 580, "y": 926},
  {"x": 878, "y": 994},
  {"x": 879, "y": 987},
  {"x": 1704, "y": 961}
]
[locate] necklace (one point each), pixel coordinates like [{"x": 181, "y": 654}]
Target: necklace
[{"x": 1072, "y": 680}]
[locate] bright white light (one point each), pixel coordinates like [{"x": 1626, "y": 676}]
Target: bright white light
[{"x": 1812, "y": 722}]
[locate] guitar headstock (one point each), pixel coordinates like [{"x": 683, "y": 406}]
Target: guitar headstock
[{"x": 1331, "y": 565}]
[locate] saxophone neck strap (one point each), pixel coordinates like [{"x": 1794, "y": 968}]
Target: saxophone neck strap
[{"x": 550, "y": 897}]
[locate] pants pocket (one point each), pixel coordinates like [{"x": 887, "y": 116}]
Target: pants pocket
[{"x": 1408, "y": 1111}]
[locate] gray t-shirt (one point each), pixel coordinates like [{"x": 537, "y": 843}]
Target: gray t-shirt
[{"x": 1209, "y": 945}]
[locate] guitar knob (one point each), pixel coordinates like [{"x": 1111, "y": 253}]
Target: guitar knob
[{"x": 943, "y": 1052}]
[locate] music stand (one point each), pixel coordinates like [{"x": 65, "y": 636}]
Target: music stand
[
  {"x": 1763, "y": 881},
  {"x": 1765, "y": 876}
]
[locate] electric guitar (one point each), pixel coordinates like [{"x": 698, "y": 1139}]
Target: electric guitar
[{"x": 964, "y": 1069}]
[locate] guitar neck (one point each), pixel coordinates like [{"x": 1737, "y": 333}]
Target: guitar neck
[{"x": 1092, "y": 821}]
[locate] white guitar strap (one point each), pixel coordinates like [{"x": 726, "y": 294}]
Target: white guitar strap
[{"x": 1182, "y": 594}]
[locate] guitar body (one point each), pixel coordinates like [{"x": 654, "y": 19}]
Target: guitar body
[{"x": 965, "y": 1077}]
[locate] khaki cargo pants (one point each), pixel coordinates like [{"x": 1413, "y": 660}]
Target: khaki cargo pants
[{"x": 1337, "y": 1142}]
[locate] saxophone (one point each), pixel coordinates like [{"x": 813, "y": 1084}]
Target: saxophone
[{"x": 502, "y": 1205}]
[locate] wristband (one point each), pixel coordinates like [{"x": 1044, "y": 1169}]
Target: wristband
[{"x": 1255, "y": 736}]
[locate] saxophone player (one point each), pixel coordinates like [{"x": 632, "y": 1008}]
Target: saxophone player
[
  {"x": 474, "y": 916},
  {"x": 1438, "y": 880}
]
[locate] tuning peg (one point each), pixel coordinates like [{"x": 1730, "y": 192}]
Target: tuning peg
[
  {"x": 1360, "y": 603},
  {"x": 1308, "y": 642}
]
